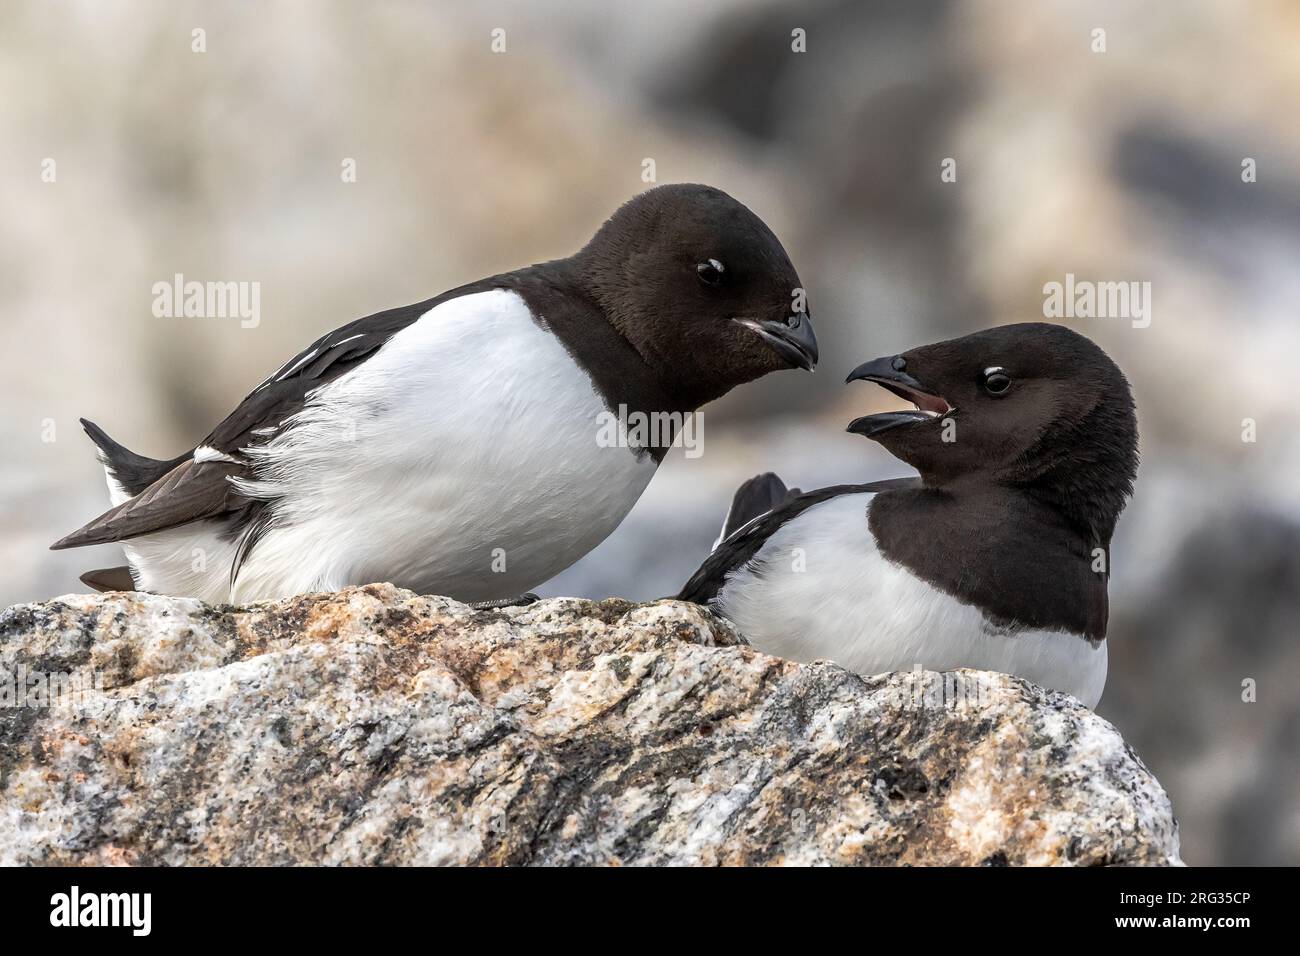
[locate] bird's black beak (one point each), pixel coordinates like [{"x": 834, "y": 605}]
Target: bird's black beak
[
  {"x": 891, "y": 372},
  {"x": 792, "y": 338}
]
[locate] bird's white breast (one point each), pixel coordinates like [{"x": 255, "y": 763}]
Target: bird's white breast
[
  {"x": 820, "y": 588},
  {"x": 463, "y": 459}
]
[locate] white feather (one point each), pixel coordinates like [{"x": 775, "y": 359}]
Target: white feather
[
  {"x": 852, "y": 605},
  {"x": 205, "y": 453},
  {"x": 116, "y": 493},
  {"x": 470, "y": 430}
]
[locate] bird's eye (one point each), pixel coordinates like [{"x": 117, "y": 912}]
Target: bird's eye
[
  {"x": 710, "y": 271},
  {"x": 996, "y": 380}
]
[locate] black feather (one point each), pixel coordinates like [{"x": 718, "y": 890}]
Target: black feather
[
  {"x": 133, "y": 472},
  {"x": 109, "y": 579},
  {"x": 190, "y": 491},
  {"x": 755, "y": 497}
]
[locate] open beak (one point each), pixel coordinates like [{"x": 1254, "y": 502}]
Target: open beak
[
  {"x": 891, "y": 373},
  {"x": 792, "y": 338}
]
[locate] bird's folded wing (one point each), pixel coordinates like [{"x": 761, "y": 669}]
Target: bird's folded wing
[
  {"x": 190, "y": 491},
  {"x": 743, "y": 543},
  {"x": 286, "y": 391},
  {"x": 199, "y": 489}
]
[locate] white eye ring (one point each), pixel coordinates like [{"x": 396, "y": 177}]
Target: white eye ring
[
  {"x": 991, "y": 371},
  {"x": 710, "y": 271}
]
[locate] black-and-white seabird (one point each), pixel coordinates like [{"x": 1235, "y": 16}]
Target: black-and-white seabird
[
  {"x": 996, "y": 557},
  {"x": 453, "y": 446}
]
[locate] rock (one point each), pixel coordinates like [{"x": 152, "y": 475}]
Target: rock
[{"x": 376, "y": 726}]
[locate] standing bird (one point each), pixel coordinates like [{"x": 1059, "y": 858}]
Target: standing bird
[
  {"x": 455, "y": 446},
  {"x": 996, "y": 557}
]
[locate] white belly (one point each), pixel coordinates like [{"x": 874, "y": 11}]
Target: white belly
[
  {"x": 461, "y": 459},
  {"x": 851, "y": 605}
]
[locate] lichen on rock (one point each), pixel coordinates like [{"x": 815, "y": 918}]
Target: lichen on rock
[{"x": 375, "y": 726}]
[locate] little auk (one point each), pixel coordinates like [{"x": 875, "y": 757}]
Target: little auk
[
  {"x": 455, "y": 446},
  {"x": 996, "y": 557}
]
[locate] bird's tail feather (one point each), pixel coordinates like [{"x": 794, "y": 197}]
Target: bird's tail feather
[
  {"x": 133, "y": 472},
  {"x": 109, "y": 579},
  {"x": 755, "y": 497}
]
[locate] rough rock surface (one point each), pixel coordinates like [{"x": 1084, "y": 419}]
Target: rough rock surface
[{"x": 376, "y": 726}]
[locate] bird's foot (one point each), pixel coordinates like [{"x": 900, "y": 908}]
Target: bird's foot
[{"x": 523, "y": 600}]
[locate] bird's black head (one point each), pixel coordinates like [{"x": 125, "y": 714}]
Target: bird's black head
[
  {"x": 702, "y": 290},
  {"x": 1032, "y": 406}
]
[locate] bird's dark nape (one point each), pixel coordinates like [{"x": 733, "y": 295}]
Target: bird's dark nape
[{"x": 1086, "y": 469}]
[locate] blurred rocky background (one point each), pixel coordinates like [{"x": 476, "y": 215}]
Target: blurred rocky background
[{"x": 1114, "y": 166}]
